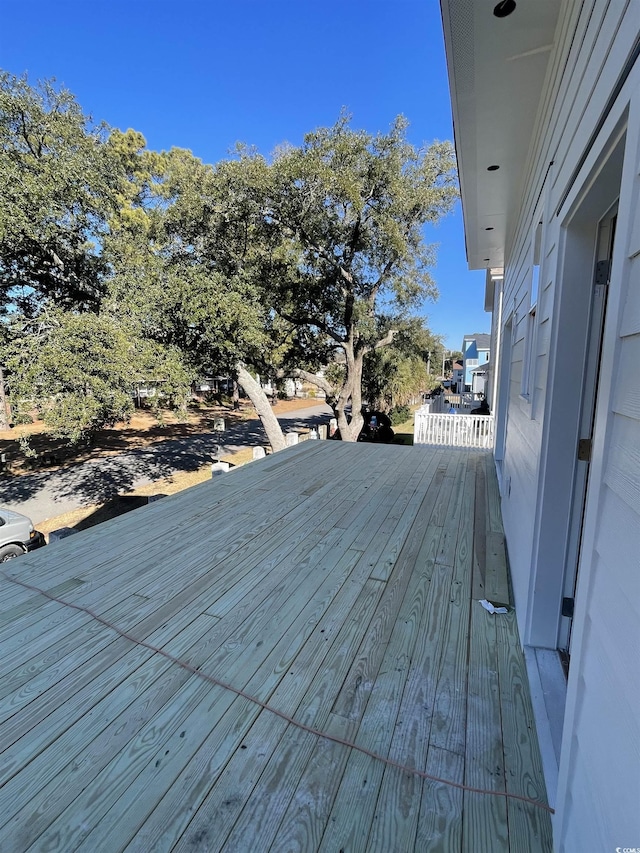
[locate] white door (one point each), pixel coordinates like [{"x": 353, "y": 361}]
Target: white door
[{"x": 601, "y": 275}]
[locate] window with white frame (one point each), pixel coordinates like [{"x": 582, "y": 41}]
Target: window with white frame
[{"x": 528, "y": 367}]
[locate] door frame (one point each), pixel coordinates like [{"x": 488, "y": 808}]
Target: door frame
[
  {"x": 576, "y": 233},
  {"x": 603, "y": 251}
]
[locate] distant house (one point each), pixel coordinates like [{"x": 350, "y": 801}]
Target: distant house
[
  {"x": 475, "y": 353},
  {"x": 457, "y": 376},
  {"x": 546, "y": 106},
  {"x": 480, "y": 379},
  {"x": 211, "y": 385}
]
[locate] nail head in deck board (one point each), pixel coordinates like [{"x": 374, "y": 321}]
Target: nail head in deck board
[{"x": 309, "y": 609}]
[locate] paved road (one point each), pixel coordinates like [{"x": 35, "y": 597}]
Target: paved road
[{"x": 46, "y": 494}]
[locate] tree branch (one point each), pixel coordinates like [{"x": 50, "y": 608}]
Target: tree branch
[
  {"x": 381, "y": 279},
  {"x": 25, "y": 134},
  {"x": 383, "y": 342},
  {"x": 311, "y": 321},
  {"x": 318, "y": 381}
]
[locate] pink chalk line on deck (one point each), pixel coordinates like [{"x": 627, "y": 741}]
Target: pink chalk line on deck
[{"x": 265, "y": 706}]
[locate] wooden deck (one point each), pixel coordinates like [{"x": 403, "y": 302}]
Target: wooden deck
[{"x": 333, "y": 583}]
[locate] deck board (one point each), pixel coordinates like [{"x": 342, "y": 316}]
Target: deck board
[
  {"x": 396, "y": 818},
  {"x": 484, "y": 816},
  {"x": 334, "y": 582},
  {"x": 526, "y": 831},
  {"x": 377, "y": 724}
]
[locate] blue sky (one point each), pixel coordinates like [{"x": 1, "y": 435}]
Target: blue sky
[{"x": 204, "y": 74}]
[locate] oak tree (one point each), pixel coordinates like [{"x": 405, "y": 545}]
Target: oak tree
[{"x": 342, "y": 223}]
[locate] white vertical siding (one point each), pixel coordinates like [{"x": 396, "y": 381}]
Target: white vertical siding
[
  {"x": 601, "y": 762},
  {"x": 599, "y": 779},
  {"x": 593, "y": 39}
]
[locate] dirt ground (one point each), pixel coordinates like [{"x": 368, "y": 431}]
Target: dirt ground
[{"x": 142, "y": 430}]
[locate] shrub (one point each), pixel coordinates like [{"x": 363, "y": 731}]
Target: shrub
[{"x": 399, "y": 414}]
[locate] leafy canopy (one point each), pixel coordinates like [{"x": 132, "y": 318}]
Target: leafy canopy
[
  {"x": 120, "y": 265},
  {"x": 341, "y": 223},
  {"x": 59, "y": 182}
]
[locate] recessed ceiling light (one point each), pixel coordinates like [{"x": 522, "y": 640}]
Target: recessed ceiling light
[
  {"x": 492, "y": 168},
  {"x": 504, "y": 8}
]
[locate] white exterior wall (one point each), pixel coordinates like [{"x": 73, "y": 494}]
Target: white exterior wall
[
  {"x": 600, "y": 764},
  {"x": 599, "y": 777}
]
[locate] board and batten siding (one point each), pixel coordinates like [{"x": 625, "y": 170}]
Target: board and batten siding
[
  {"x": 525, "y": 412},
  {"x": 599, "y": 775},
  {"x": 592, "y": 41}
]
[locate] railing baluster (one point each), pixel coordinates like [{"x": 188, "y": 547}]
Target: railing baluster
[{"x": 453, "y": 430}]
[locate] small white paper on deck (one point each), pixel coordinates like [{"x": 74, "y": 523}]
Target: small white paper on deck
[{"x": 491, "y": 608}]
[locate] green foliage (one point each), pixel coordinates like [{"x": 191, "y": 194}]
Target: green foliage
[
  {"x": 395, "y": 374},
  {"x": 79, "y": 371},
  {"x": 335, "y": 374},
  {"x": 399, "y": 415},
  {"x": 59, "y": 182},
  {"x": 122, "y": 266}
]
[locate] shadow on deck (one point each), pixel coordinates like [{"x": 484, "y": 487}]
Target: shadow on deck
[{"x": 306, "y": 667}]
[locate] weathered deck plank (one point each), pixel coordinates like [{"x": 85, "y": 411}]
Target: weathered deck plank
[
  {"x": 350, "y": 821},
  {"x": 484, "y": 817},
  {"x": 90, "y": 744},
  {"x": 334, "y": 582},
  {"x": 396, "y": 819},
  {"x": 529, "y": 828}
]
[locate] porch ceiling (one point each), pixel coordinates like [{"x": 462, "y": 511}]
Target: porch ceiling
[
  {"x": 334, "y": 585},
  {"x": 496, "y": 72}
]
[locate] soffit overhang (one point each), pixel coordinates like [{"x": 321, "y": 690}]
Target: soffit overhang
[{"x": 497, "y": 68}]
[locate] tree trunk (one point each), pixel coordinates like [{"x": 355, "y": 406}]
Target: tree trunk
[
  {"x": 351, "y": 390},
  {"x": 4, "y": 411},
  {"x": 343, "y": 425},
  {"x": 263, "y": 408},
  {"x": 236, "y": 395},
  {"x": 357, "y": 419}
]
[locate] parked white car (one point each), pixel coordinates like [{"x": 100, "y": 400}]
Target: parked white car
[{"x": 17, "y": 535}]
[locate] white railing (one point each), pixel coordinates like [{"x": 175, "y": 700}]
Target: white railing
[
  {"x": 442, "y": 403},
  {"x": 453, "y": 430}
]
